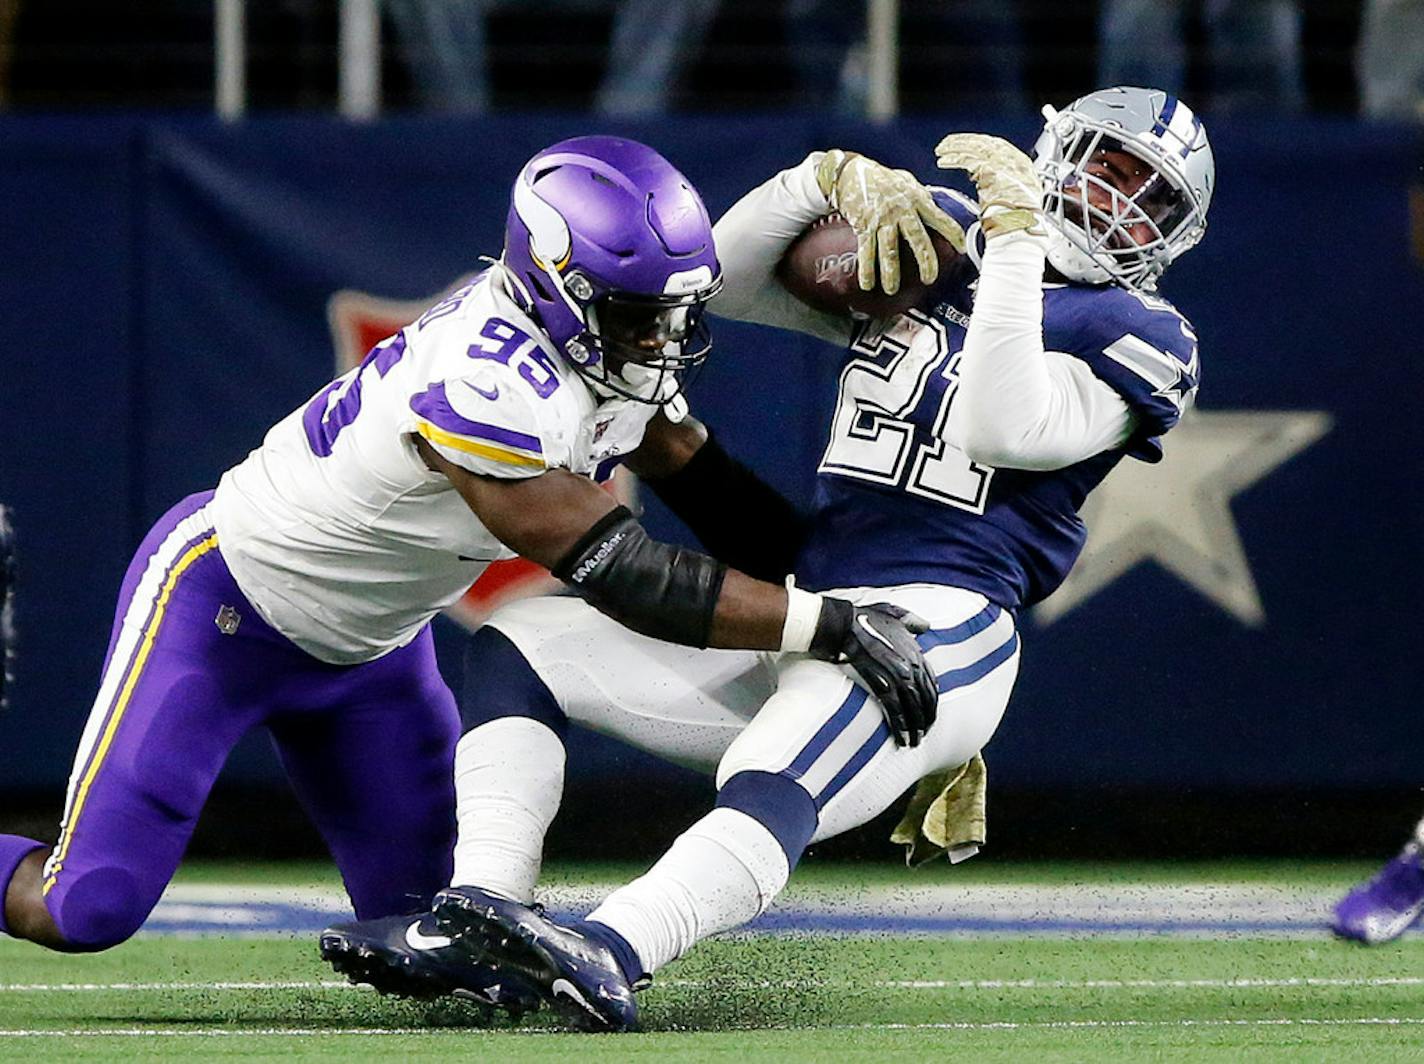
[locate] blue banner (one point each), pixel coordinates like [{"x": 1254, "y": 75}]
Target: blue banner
[{"x": 1244, "y": 615}]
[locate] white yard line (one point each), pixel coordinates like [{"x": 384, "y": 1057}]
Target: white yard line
[
  {"x": 46, "y": 988},
  {"x": 1169, "y": 904},
  {"x": 879, "y": 984},
  {"x": 220, "y": 1032},
  {"x": 1065, "y": 984},
  {"x": 1053, "y": 1025},
  {"x": 1140, "y": 984},
  {"x": 448, "y": 1032}
]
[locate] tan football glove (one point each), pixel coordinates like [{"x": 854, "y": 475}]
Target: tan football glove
[
  {"x": 883, "y": 205},
  {"x": 1010, "y": 196}
]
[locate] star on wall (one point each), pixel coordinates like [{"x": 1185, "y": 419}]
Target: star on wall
[{"x": 1178, "y": 513}]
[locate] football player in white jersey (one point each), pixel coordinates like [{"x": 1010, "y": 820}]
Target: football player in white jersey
[
  {"x": 968, "y": 432},
  {"x": 298, "y": 595}
]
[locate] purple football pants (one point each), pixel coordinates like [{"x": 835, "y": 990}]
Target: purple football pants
[{"x": 190, "y": 668}]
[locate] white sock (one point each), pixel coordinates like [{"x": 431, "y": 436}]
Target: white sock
[
  {"x": 509, "y": 778},
  {"x": 721, "y": 872}
]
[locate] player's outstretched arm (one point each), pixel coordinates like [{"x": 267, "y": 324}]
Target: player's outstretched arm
[
  {"x": 752, "y": 237},
  {"x": 1019, "y": 406},
  {"x": 566, "y": 523},
  {"x": 882, "y": 206},
  {"x": 736, "y": 515}
]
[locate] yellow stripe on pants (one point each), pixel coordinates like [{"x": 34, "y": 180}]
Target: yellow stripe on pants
[{"x": 150, "y": 633}]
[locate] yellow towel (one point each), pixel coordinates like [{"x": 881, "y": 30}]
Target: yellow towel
[{"x": 945, "y": 815}]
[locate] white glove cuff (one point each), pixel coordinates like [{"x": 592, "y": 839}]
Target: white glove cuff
[
  {"x": 1025, "y": 249},
  {"x": 803, "y": 612}
]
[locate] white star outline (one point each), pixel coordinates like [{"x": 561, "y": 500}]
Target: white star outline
[
  {"x": 1175, "y": 392},
  {"x": 1177, "y": 513}
]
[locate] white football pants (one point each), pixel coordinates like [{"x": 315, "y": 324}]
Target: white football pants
[{"x": 729, "y": 711}]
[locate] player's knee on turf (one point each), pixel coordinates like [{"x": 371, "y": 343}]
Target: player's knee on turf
[{"x": 98, "y": 908}]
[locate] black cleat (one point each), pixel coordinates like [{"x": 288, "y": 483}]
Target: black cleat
[
  {"x": 408, "y": 956},
  {"x": 574, "y": 972}
]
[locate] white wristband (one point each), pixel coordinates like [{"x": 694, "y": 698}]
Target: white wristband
[{"x": 803, "y": 612}]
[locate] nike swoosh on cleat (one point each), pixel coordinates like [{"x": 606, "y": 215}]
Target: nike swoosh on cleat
[
  {"x": 415, "y": 939},
  {"x": 563, "y": 986}
]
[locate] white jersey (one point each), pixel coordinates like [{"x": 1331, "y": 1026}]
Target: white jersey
[{"x": 336, "y": 530}]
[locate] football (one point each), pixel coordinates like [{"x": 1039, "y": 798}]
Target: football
[{"x": 819, "y": 269}]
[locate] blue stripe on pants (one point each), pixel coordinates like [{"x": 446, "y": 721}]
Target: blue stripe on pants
[
  {"x": 828, "y": 733},
  {"x": 941, "y": 637},
  {"x": 963, "y": 677},
  {"x": 946, "y": 682},
  {"x": 858, "y": 761}
]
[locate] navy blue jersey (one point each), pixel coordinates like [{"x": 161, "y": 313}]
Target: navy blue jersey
[{"x": 896, "y": 504}]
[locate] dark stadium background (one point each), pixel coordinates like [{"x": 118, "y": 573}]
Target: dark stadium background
[{"x": 165, "y": 279}]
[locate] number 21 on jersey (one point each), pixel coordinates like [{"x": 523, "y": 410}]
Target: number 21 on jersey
[{"x": 894, "y": 399}]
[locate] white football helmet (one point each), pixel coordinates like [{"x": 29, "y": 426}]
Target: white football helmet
[{"x": 1094, "y": 243}]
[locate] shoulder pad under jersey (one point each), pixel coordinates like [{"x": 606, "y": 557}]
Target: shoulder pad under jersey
[{"x": 491, "y": 422}]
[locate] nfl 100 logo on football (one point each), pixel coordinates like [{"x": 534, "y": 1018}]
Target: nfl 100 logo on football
[{"x": 833, "y": 269}]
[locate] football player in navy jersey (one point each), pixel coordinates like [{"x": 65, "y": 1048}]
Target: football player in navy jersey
[{"x": 966, "y": 435}]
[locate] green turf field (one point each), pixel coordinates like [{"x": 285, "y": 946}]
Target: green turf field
[{"x": 754, "y": 998}]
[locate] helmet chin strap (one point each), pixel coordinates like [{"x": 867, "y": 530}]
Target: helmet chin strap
[
  {"x": 653, "y": 387},
  {"x": 642, "y": 378}
]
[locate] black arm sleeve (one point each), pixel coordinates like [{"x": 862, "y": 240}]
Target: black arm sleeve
[
  {"x": 654, "y": 588},
  {"x": 738, "y": 516}
]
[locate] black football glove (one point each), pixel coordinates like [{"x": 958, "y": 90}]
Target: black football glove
[{"x": 878, "y": 642}]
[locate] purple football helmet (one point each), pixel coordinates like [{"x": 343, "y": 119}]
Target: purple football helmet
[{"x": 612, "y": 250}]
